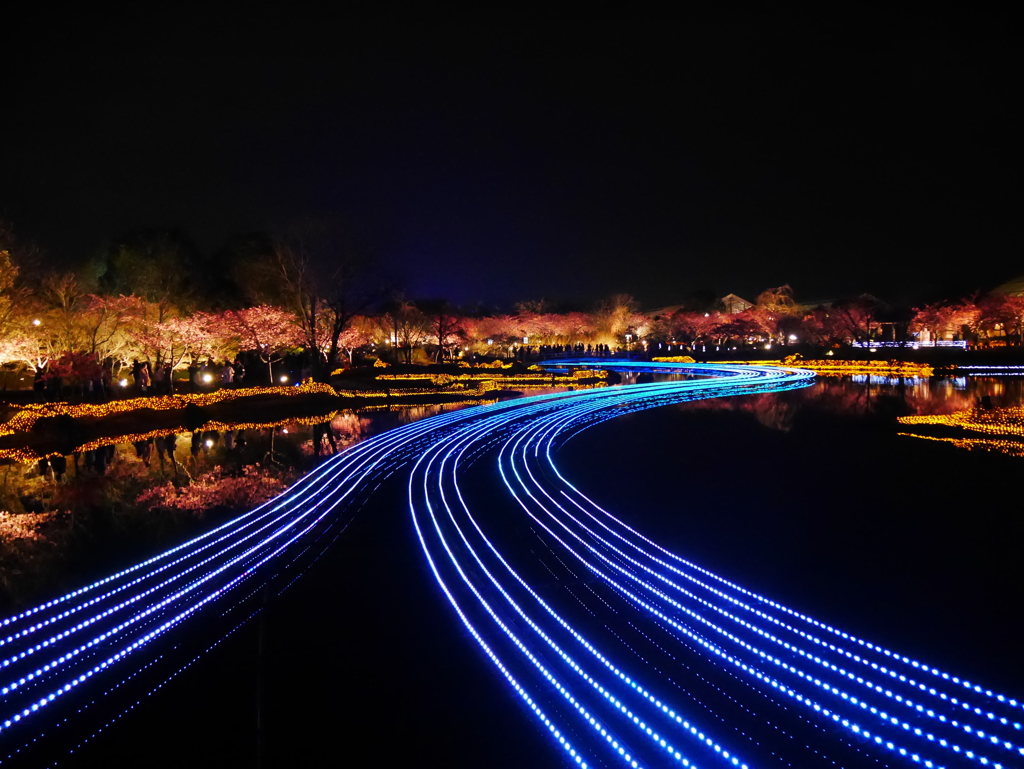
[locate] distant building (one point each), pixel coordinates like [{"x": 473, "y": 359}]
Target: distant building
[
  {"x": 1013, "y": 287},
  {"x": 664, "y": 312},
  {"x": 807, "y": 307},
  {"x": 730, "y": 304},
  {"x": 733, "y": 304}
]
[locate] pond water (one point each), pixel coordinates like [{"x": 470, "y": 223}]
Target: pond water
[
  {"x": 66, "y": 520},
  {"x": 812, "y": 497},
  {"x": 821, "y": 499}
]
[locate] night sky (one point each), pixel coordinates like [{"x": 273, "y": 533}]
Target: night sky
[{"x": 497, "y": 159}]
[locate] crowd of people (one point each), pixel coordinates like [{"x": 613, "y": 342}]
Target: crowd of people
[
  {"x": 143, "y": 379},
  {"x": 202, "y": 377},
  {"x": 524, "y": 352}
]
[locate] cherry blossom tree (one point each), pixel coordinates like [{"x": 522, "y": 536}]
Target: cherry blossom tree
[
  {"x": 103, "y": 324},
  {"x": 742, "y": 327},
  {"x": 1001, "y": 312},
  {"x": 822, "y": 326},
  {"x": 937, "y": 319},
  {"x": 265, "y": 329},
  {"x": 188, "y": 338},
  {"x": 693, "y": 328},
  {"x": 854, "y": 318},
  {"x": 360, "y": 332},
  {"x": 74, "y": 369},
  {"x": 491, "y": 335}
]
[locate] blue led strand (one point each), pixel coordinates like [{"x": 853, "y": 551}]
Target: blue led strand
[
  {"x": 137, "y": 618},
  {"x": 529, "y": 494},
  {"x": 704, "y": 616},
  {"x": 460, "y": 447},
  {"x": 972, "y": 731},
  {"x": 657, "y": 612},
  {"x": 897, "y": 658},
  {"x": 505, "y": 563}
]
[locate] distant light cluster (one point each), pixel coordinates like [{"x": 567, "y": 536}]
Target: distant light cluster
[{"x": 848, "y": 367}]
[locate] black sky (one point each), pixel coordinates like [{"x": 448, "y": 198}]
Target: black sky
[{"x": 499, "y": 159}]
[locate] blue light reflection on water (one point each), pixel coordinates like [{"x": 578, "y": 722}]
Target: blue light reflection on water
[{"x": 635, "y": 572}]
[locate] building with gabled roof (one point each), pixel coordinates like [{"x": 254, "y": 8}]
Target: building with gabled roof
[{"x": 733, "y": 304}]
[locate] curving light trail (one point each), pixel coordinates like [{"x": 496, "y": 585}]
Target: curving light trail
[{"x": 624, "y": 652}]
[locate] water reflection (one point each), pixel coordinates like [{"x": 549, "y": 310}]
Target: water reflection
[
  {"x": 972, "y": 413},
  {"x": 887, "y": 398},
  {"x": 984, "y": 427},
  {"x": 63, "y": 515}
]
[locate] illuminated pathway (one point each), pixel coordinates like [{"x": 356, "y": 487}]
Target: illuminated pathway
[{"x": 625, "y": 653}]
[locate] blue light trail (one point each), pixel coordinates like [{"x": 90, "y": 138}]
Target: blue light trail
[{"x": 623, "y": 652}]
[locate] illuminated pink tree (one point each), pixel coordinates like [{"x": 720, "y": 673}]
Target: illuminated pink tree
[
  {"x": 74, "y": 369},
  {"x": 1013, "y": 313},
  {"x": 854, "y": 319},
  {"x": 18, "y": 349},
  {"x": 937, "y": 319},
  {"x": 266, "y": 329},
  {"x": 359, "y": 332},
  {"x": 498, "y": 333},
  {"x": 743, "y": 327},
  {"x": 1000, "y": 312},
  {"x": 821, "y": 326},
  {"x": 694, "y": 327},
  {"x": 189, "y": 337}
]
